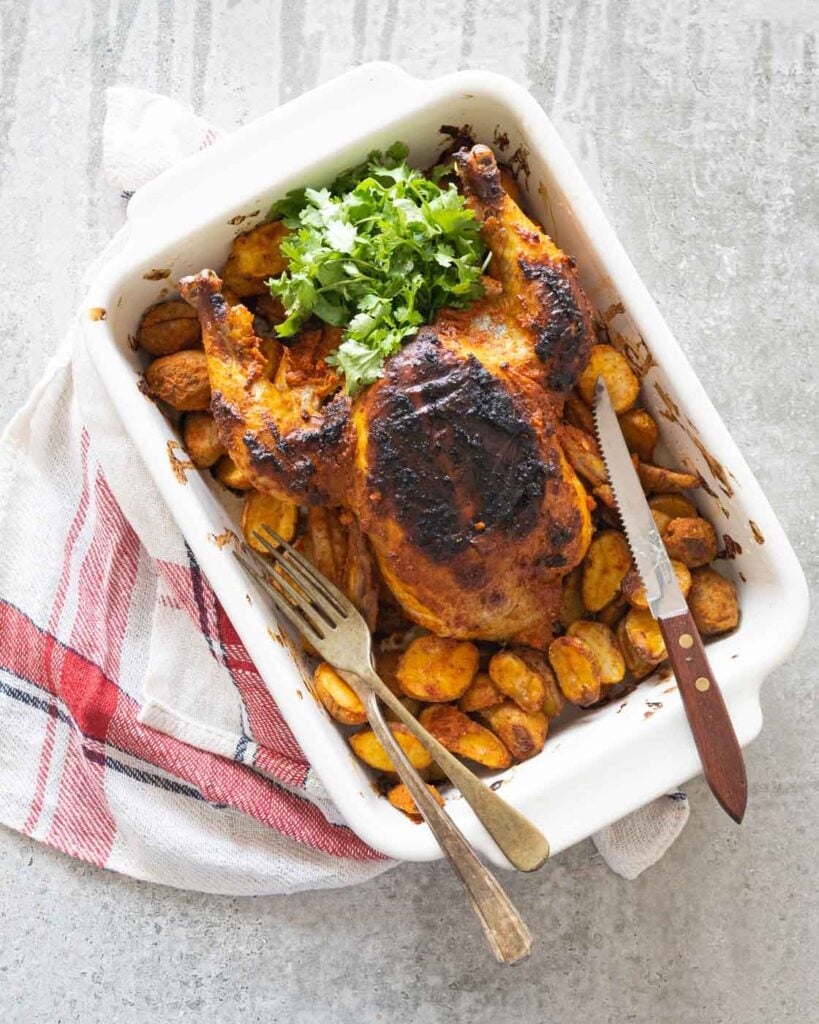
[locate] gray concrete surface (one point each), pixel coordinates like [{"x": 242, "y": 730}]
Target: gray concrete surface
[{"x": 697, "y": 124}]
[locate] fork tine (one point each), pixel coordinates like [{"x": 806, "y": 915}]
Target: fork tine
[
  {"x": 316, "y": 590},
  {"x": 289, "y": 581},
  {"x": 330, "y": 590},
  {"x": 295, "y": 613}
]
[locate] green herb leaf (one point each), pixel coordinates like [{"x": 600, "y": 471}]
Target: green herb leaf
[{"x": 381, "y": 251}]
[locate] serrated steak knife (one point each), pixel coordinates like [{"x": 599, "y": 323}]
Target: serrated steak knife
[{"x": 713, "y": 733}]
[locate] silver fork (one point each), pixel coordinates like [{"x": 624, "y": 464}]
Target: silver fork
[{"x": 329, "y": 620}]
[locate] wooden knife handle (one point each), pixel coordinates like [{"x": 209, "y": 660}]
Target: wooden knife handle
[{"x": 714, "y": 735}]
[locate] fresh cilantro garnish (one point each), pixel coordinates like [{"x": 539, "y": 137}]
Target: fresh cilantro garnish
[{"x": 379, "y": 252}]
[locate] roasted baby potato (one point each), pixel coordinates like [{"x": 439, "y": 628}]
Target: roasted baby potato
[
  {"x": 399, "y": 796},
  {"x": 675, "y": 506},
  {"x": 637, "y": 666},
  {"x": 482, "y": 693},
  {"x": 661, "y": 520},
  {"x": 635, "y": 592},
  {"x": 713, "y": 602},
  {"x": 601, "y": 640},
  {"x": 614, "y": 610},
  {"x": 621, "y": 381},
  {"x": 201, "y": 440},
  {"x": 641, "y": 432},
  {"x": 458, "y": 733},
  {"x": 523, "y": 733},
  {"x": 554, "y": 701},
  {"x": 169, "y": 327},
  {"x": 255, "y": 256},
  {"x": 264, "y": 509},
  {"x": 576, "y": 667},
  {"x": 180, "y": 379},
  {"x": 643, "y": 632},
  {"x": 519, "y": 673},
  {"x": 571, "y": 605},
  {"x": 338, "y": 696},
  {"x": 229, "y": 474},
  {"x": 691, "y": 541},
  {"x": 583, "y": 454},
  {"x": 435, "y": 669},
  {"x": 607, "y": 562},
  {"x": 368, "y": 747},
  {"x": 659, "y": 480}
]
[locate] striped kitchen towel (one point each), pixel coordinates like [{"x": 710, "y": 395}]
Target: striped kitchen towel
[{"x": 135, "y": 733}]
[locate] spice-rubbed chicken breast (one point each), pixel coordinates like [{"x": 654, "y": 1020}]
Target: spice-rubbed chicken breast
[{"x": 451, "y": 461}]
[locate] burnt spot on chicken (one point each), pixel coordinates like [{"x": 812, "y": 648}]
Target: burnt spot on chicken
[
  {"x": 563, "y": 334},
  {"x": 450, "y": 448},
  {"x": 478, "y": 171}
]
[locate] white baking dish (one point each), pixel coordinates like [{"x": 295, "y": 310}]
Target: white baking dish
[{"x": 596, "y": 766}]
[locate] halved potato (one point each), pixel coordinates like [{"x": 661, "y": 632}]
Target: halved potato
[
  {"x": 399, "y": 796},
  {"x": 635, "y": 592},
  {"x": 181, "y": 379},
  {"x": 600, "y": 639},
  {"x": 169, "y": 327},
  {"x": 554, "y": 701},
  {"x": 255, "y": 256},
  {"x": 713, "y": 602},
  {"x": 437, "y": 669},
  {"x": 460, "y": 734},
  {"x": 523, "y": 733},
  {"x": 640, "y": 431},
  {"x": 519, "y": 673},
  {"x": 643, "y": 632},
  {"x": 576, "y": 667},
  {"x": 637, "y": 666},
  {"x": 675, "y": 506},
  {"x": 661, "y": 520},
  {"x": 571, "y": 605},
  {"x": 229, "y": 474},
  {"x": 607, "y": 562},
  {"x": 266, "y": 510},
  {"x": 368, "y": 747},
  {"x": 659, "y": 480},
  {"x": 338, "y": 696},
  {"x": 201, "y": 439},
  {"x": 691, "y": 541},
  {"x": 621, "y": 381},
  {"x": 482, "y": 693}
]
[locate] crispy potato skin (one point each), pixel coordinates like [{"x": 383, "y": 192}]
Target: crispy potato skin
[
  {"x": 169, "y": 327},
  {"x": 675, "y": 506},
  {"x": 368, "y": 747},
  {"x": 338, "y": 697},
  {"x": 523, "y": 733},
  {"x": 435, "y": 669},
  {"x": 266, "y": 510},
  {"x": 571, "y": 605},
  {"x": 180, "y": 379},
  {"x": 621, "y": 381},
  {"x": 482, "y": 693},
  {"x": 691, "y": 541},
  {"x": 519, "y": 674},
  {"x": 658, "y": 479},
  {"x": 637, "y": 665},
  {"x": 713, "y": 602},
  {"x": 601, "y": 640},
  {"x": 401, "y": 798},
  {"x": 577, "y": 670},
  {"x": 201, "y": 439},
  {"x": 641, "y": 432},
  {"x": 645, "y": 638},
  {"x": 254, "y": 257},
  {"x": 461, "y": 735},
  {"x": 607, "y": 562}
]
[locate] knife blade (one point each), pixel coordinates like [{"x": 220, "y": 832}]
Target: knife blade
[{"x": 714, "y": 735}]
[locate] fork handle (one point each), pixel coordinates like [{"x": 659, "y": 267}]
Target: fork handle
[
  {"x": 504, "y": 928},
  {"x": 524, "y": 846}
]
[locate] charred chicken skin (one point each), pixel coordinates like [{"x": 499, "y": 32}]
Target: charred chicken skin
[{"x": 450, "y": 462}]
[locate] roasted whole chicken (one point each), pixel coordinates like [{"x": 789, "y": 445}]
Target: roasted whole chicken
[{"x": 451, "y": 462}]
